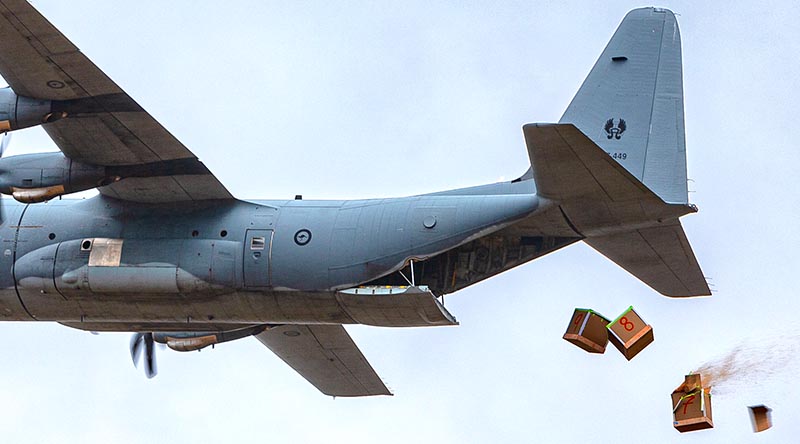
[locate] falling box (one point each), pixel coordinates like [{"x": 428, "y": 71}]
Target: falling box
[
  {"x": 587, "y": 330},
  {"x": 691, "y": 405},
  {"x": 629, "y": 333},
  {"x": 761, "y": 417}
]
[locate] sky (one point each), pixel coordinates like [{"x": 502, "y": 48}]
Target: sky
[{"x": 339, "y": 100}]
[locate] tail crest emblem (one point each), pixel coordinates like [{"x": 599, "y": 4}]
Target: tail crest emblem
[{"x": 615, "y": 132}]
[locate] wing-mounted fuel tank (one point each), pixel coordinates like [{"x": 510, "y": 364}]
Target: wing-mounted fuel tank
[{"x": 83, "y": 268}]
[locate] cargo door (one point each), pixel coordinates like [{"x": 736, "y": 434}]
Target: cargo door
[{"x": 257, "y": 252}]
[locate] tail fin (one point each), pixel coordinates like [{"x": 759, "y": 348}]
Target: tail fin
[{"x": 631, "y": 104}]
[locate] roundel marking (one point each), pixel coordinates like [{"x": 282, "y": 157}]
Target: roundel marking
[{"x": 302, "y": 237}]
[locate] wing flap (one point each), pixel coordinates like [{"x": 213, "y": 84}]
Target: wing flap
[
  {"x": 130, "y": 138},
  {"x": 327, "y": 357},
  {"x": 164, "y": 189}
]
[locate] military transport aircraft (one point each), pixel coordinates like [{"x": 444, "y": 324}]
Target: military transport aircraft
[{"x": 166, "y": 252}]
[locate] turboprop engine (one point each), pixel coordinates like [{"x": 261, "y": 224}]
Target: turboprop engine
[
  {"x": 183, "y": 341},
  {"x": 38, "y": 177},
  {"x": 17, "y": 112},
  {"x": 34, "y": 178},
  {"x": 191, "y": 341}
]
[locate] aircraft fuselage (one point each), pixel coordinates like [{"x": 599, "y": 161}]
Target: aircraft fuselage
[{"x": 101, "y": 261}]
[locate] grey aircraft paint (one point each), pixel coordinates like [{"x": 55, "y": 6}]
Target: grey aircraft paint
[
  {"x": 224, "y": 253},
  {"x": 166, "y": 250}
]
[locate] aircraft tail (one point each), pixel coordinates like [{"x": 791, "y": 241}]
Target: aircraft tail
[
  {"x": 616, "y": 213},
  {"x": 631, "y": 104},
  {"x": 616, "y": 162}
]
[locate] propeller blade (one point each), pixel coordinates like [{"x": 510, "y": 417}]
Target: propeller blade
[
  {"x": 149, "y": 356},
  {"x": 136, "y": 347},
  {"x": 4, "y": 143}
]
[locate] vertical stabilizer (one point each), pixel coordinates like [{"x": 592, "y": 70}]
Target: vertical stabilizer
[{"x": 631, "y": 104}]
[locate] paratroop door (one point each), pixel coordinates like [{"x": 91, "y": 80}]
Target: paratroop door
[{"x": 257, "y": 247}]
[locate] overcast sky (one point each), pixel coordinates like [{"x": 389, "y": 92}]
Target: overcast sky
[{"x": 354, "y": 100}]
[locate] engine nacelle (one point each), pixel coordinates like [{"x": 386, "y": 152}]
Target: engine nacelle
[
  {"x": 18, "y": 112},
  {"x": 183, "y": 343},
  {"x": 191, "y": 341},
  {"x": 39, "y": 177}
]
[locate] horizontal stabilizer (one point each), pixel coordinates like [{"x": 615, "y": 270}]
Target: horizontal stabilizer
[
  {"x": 327, "y": 357},
  {"x": 616, "y": 213},
  {"x": 661, "y": 257},
  {"x": 567, "y": 165}
]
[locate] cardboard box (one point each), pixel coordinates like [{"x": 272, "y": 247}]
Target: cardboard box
[
  {"x": 587, "y": 330},
  {"x": 629, "y": 333},
  {"x": 691, "y": 405},
  {"x": 760, "y": 414}
]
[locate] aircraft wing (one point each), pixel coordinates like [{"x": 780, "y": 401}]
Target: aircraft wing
[
  {"x": 105, "y": 126},
  {"x": 327, "y": 357}
]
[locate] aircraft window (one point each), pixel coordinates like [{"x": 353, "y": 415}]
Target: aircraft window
[
  {"x": 86, "y": 245},
  {"x": 223, "y": 233},
  {"x": 257, "y": 243},
  {"x": 195, "y": 233}
]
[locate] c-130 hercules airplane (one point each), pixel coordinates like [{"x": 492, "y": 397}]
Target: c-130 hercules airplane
[{"x": 166, "y": 252}]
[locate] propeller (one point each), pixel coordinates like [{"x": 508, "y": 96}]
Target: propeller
[
  {"x": 4, "y": 143},
  {"x": 138, "y": 342}
]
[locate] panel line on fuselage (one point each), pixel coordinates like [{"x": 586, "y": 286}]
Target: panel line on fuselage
[{"x": 14, "y": 262}]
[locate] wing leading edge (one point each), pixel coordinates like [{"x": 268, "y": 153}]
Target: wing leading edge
[
  {"x": 325, "y": 356},
  {"x": 104, "y": 126}
]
